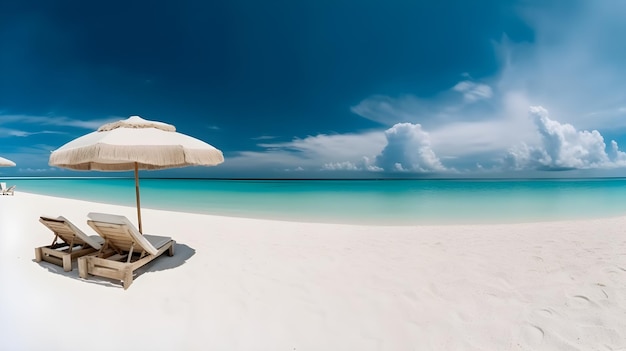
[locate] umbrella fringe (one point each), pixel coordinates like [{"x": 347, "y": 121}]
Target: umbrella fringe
[{"x": 115, "y": 158}]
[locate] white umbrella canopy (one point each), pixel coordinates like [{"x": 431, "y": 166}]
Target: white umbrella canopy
[
  {"x": 134, "y": 144},
  {"x": 6, "y": 162}
]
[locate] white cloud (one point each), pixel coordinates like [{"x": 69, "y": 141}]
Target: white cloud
[
  {"x": 389, "y": 111},
  {"x": 344, "y": 166},
  {"x": 338, "y": 152},
  {"x": 443, "y": 108},
  {"x": 575, "y": 70},
  {"x": 8, "y": 132},
  {"x": 473, "y": 91},
  {"x": 403, "y": 147},
  {"x": 563, "y": 147},
  {"x": 574, "y": 65},
  {"x": 364, "y": 164},
  {"x": 56, "y": 121},
  {"x": 37, "y": 170},
  {"x": 615, "y": 154},
  {"x": 408, "y": 149},
  {"x": 264, "y": 137},
  {"x": 297, "y": 169},
  {"x": 536, "y": 143}
]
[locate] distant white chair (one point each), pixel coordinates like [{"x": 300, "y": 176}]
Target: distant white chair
[
  {"x": 3, "y": 187},
  {"x": 9, "y": 191}
]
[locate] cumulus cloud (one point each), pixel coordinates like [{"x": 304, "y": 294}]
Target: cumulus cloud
[
  {"x": 475, "y": 123},
  {"x": 364, "y": 164},
  {"x": 323, "y": 152},
  {"x": 563, "y": 147},
  {"x": 575, "y": 70},
  {"x": 344, "y": 166},
  {"x": 479, "y": 148},
  {"x": 408, "y": 150},
  {"x": 615, "y": 154},
  {"x": 405, "y": 147}
]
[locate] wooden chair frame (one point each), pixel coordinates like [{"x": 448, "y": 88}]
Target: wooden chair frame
[
  {"x": 121, "y": 255},
  {"x": 70, "y": 246}
]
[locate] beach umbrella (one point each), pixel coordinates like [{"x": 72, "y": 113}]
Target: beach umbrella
[
  {"x": 6, "y": 163},
  {"x": 134, "y": 144}
]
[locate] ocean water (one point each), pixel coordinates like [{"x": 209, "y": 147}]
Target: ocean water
[{"x": 386, "y": 202}]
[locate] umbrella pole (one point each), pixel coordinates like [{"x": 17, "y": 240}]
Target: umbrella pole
[{"x": 137, "y": 193}]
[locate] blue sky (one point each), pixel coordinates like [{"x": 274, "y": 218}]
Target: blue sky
[{"x": 328, "y": 88}]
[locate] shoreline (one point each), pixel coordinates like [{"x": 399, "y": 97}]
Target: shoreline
[
  {"x": 395, "y": 222},
  {"x": 370, "y": 203},
  {"x": 241, "y": 284}
]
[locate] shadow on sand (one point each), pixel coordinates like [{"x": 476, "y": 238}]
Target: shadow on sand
[{"x": 182, "y": 253}]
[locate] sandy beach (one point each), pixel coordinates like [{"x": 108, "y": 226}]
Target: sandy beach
[{"x": 249, "y": 284}]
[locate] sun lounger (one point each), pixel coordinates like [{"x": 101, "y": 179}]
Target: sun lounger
[
  {"x": 73, "y": 243},
  {"x": 9, "y": 191},
  {"x": 3, "y": 187},
  {"x": 124, "y": 249}
]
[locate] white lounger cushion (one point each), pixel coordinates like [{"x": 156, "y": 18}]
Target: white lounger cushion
[
  {"x": 94, "y": 241},
  {"x": 150, "y": 243}
]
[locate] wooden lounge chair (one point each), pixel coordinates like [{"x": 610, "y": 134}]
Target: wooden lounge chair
[
  {"x": 73, "y": 243},
  {"x": 124, "y": 249}
]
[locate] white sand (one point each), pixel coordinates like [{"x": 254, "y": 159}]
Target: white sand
[{"x": 240, "y": 284}]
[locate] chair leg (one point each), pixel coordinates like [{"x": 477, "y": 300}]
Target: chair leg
[
  {"x": 128, "y": 278},
  {"x": 170, "y": 251},
  {"x": 82, "y": 267},
  {"x": 38, "y": 254},
  {"x": 67, "y": 263}
]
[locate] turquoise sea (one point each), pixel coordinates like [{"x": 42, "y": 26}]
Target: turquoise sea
[{"x": 356, "y": 201}]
